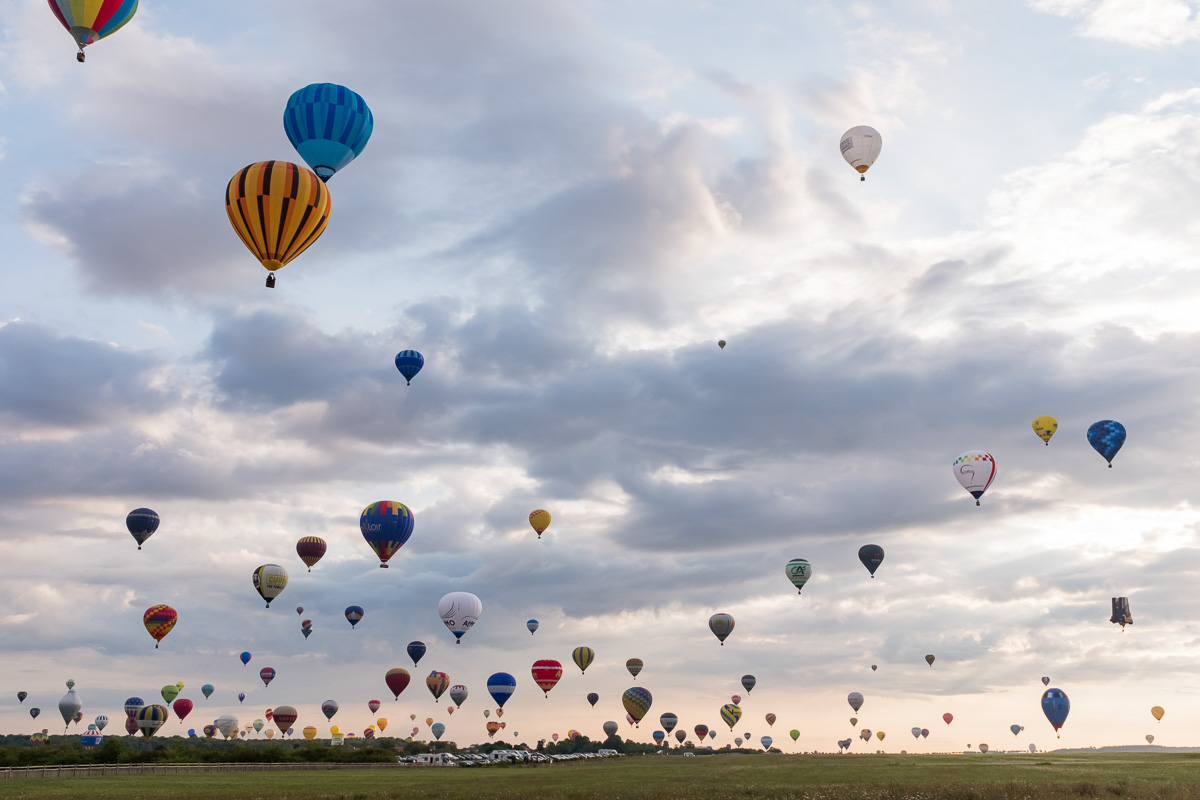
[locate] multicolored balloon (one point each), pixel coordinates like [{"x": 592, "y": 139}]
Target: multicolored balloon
[
  {"x": 329, "y": 125},
  {"x": 798, "y": 571},
  {"x": 159, "y": 620},
  {"x": 1056, "y": 705},
  {"x": 532, "y": 625},
  {"x": 771, "y": 720},
  {"x": 701, "y": 731},
  {"x": 142, "y": 523},
  {"x": 437, "y": 683},
  {"x": 267, "y": 674},
  {"x": 635, "y": 666},
  {"x": 409, "y": 362},
  {"x": 1106, "y": 437},
  {"x": 373, "y": 705},
  {"x": 975, "y": 470},
  {"x": 353, "y": 615},
  {"x": 458, "y": 694},
  {"x": 855, "y": 699},
  {"x": 329, "y": 708},
  {"x": 397, "y": 679},
  {"x": 150, "y": 719},
  {"x": 583, "y": 658},
  {"x": 310, "y": 549},
  {"x": 668, "y": 721},
  {"x": 277, "y": 209},
  {"x": 269, "y": 580},
  {"x": 386, "y": 525},
  {"x": 637, "y": 702},
  {"x": 285, "y": 717},
  {"x": 731, "y": 714}
]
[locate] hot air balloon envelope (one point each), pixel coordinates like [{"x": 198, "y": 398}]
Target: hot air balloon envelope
[
  {"x": 1106, "y": 437},
  {"x": 386, "y": 525},
  {"x": 329, "y": 125}
]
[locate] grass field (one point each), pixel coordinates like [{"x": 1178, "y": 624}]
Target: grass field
[{"x": 724, "y": 777}]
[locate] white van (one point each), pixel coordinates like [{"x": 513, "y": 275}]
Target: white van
[{"x": 436, "y": 760}]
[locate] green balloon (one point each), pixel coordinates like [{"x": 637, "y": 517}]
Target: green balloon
[
  {"x": 795, "y": 734},
  {"x": 170, "y": 692}
]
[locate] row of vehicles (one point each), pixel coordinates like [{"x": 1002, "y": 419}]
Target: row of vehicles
[{"x": 494, "y": 757}]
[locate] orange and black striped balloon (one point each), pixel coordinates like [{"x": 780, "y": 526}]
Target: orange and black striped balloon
[{"x": 278, "y": 209}]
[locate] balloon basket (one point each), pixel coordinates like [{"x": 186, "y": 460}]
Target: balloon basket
[{"x": 383, "y": 566}]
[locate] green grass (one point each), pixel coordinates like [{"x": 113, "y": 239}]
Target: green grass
[{"x": 721, "y": 777}]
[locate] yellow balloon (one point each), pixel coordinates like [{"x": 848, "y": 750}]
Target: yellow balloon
[
  {"x": 310, "y": 733},
  {"x": 335, "y": 730},
  {"x": 429, "y": 720},
  {"x": 382, "y": 723},
  {"x": 412, "y": 716},
  {"x": 1158, "y": 712},
  {"x": 881, "y": 734},
  {"x": 1045, "y": 427},
  {"x": 278, "y": 209},
  {"x": 540, "y": 520},
  {"x": 179, "y": 685}
]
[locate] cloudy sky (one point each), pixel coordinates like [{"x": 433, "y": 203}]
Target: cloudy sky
[{"x": 564, "y": 206}]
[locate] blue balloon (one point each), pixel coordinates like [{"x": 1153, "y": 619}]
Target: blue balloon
[
  {"x": 1056, "y": 706},
  {"x": 192, "y": 733},
  {"x": 354, "y": 614},
  {"x": 246, "y": 657},
  {"x": 329, "y": 126},
  {"x": 501, "y": 686},
  {"x": 1106, "y": 438},
  {"x": 532, "y": 625},
  {"x": 141, "y": 522},
  {"x": 409, "y": 362},
  {"x": 241, "y": 697},
  {"x": 415, "y": 651}
]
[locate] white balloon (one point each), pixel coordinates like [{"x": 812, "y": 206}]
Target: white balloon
[
  {"x": 459, "y": 612},
  {"x": 855, "y": 700},
  {"x": 975, "y": 470},
  {"x": 69, "y": 706},
  {"x": 860, "y": 147},
  {"x": 227, "y": 724}
]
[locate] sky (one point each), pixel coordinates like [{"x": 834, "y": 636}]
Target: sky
[{"x": 564, "y": 206}]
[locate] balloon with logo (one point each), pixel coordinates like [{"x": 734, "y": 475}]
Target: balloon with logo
[
  {"x": 169, "y": 692},
  {"x": 1044, "y": 427},
  {"x": 397, "y": 680},
  {"x": 459, "y": 612},
  {"x": 855, "y": 699},
  {"x": 637, "y": 702},
  {"x": 1056, "y": 705},
  {"x": 142, "y": 523},
  {"x": 634, "y": 665},
  {"x": 1106, "y": 437},
  {"x": 278, "y": 209},
  {"x": 409, "y": 363},
  {"x": 386, "y": 525},
  {"x": 458, "y": 694},
  {"x": 437, "y": 683},
  {"x": 227, "y": 724},
  {"x": 975, "y": 470},
  {"x": 269, "y": 580},
  {"x": 721, "y": 625},
  {"x": 871, "y": 556},
  {"x": 310, "y": 732},
  {"x": 500, "y": 686},
  {"x": 731, "y": 713},
  {"x": 159, "y": 620},
  {"x": 329, "y": 708},
  {"x": 310, "y": 549},
  {"x": 267, "y": 674},
  {"x": 860, "y": 147},
  {"x": 668, "y": 721},
  {"x": 210, "y": 731},
  {"x": 798, "y": 571}
]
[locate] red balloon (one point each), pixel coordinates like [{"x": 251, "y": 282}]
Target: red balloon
[
  {"x": 948, "y": 717},
  {"x": 546, "y": 674},
  {"x": 182, "y": 707},
  {"x": 701, "y": 731},
  {"x": 397, "y": 680},
  {"x": 374, "y": 704}
]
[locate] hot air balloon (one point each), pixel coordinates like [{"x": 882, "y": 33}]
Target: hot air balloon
[
  {"x": 329, "y": 708},
  {"x": 409, "y": 362},
  {"x": 737, "y": 741},
  {"x": 21, "y": 696},
  {"x": 731, "y": 714},
  {"x": 241, "y": 697},
  {"x": 948, "y": 717},
  {"x": 101, "y": 722},
  {"x": 382, "y": 722},
  {"x": 415, "y": 651},
  {"x": 501, "y": 685},
  {"x": 492, "y": 727},
  {"x": 458, "y": 694},
  {"x": 871, "y": 556},
  {"x": 310, "y": 549},
  {"x": 929, "y": 659},
  {"x": 245, "y": 657},
  {"x": 159, "y": 620},
  {"x": 1121, "y": 615},
  {"x": 150, "y": 719},
  {"x": 1149, "y": 738},
  {"x": 1045, "y": 427},
  {"x": 975, "y": 470},
  {"x": 450, "y": 710},
  {"x": 748, "y": 682},
  {"x": 546, "y": 674},
  {"x": 539, "y": 520},
  {"x": 1056, "y": 705},
  {"x": 583, "y": 658},
  {"x": 701, "y": 731},
  {"x": 854, "y": 720},
  {"x": 721, "y": 343},
  {"x": 33, "y": 712},
  {"x": 592, "y": 697},
  {"x": 1045, "y": 681},
  {"x": 1106, "y": 438},
  {"x": 306, "y": 627},
  {"x": 668, "y": 721},
  {"x": 680, "y": 736},
  {"x": 1157, "y": 712},
  {"x": 855, "y": 700},
  {"x": 88, "y": 23},
  {"x": 637, "y": 702},
  {"x": 735, "y": 699},
  {"x": 437, "y": 729},
  {"x": 459, "y": 612},
  {"x": 182, "y": 708},
  {"x": 227, "y": 724},
  {"x": 207, "y": 690},
  {"x": 1016, "y": 729},
  {"x": 277, "y": 209},
  {"x": 798, "y": 571},
  {"x": 881, "y": 735},
  {"x": 766, "y": 742},
  {"x": 329, "y": 126},
  {"x": 437, "y": 683},
  {"x": 267, "y": 674},
  {"x": 634, "y": 665},
  {"x": 771, "y": 720},
  {"x": 721, "y": 625},
  {"x": 310, "y": 732},
  {"x": 69, "y": 706},
  {"x": 397, "y": 680},
  {"x": 658, "y": 737},
  {"x": 386, "y": 525},
  {"x": 285, "y": 717},
  {"x": 269, "y": 580},
  {"x": 532, "y": 625},
  {"x": 860, "y": 147},
  {"x": 142, "y": 523},
  {"x": 486, "y": 713},
  {"x": 211, "y": 730},
  {"x": 132, "y": 705},
  {"x": 373, "y": 705},
  {"x": 983, "y": 748},
  {"x": 610, "y": 728},
  {"x": 874, "y": 666},
  {"x": 354, "y": 614},
  {"x": 169, "y": 692},
  {"x": 258, "y": 725}
]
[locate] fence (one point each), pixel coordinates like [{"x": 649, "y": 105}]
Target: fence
[{"x": 85, "y": 770}]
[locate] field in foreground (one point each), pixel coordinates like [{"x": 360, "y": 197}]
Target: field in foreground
[{"x": 723, "y": 777}]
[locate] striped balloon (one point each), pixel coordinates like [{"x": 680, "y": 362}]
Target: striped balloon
[
  {"x": 583, "y": 658},
  {"x": 310, "y": 549},
  {"x": 731, "y": 714},
  {"x": 159, "y": 620},
  {"x": 89, "y": 21},
  {"x": 329, "y": 126},
  {"x": 142, "y": 523},
  {"x": 150, "y": 719},
  {"x": 278, "y": 209}
]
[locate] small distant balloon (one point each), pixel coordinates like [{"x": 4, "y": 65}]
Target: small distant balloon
[
  {"x": 948, "y": 718},
  {"x": 415, "y": 651},
  {"x": 871, "y": 556},
  {"x": 1045, "y": 680},
  {"x": 267, "y": 674},
  {"x": 929, "y": 659},
  {"x": 798, "y": 571},
  {"x": 721, "y": 625},
  {"x": 592, "y": 698},
  {"x": 539, "y": 520},
  {"x": 1106, "y": 437},
  {"x": 855, "y": 699},
  {"x": 409, "y": 362},
  {"x": 860, "y": 147},
  {"x": 354, "y": 614},
  {"x": 749, "y": 682},
  {"x": 532, "y": 625},
  {"x": 245, "y": 657},
  {"x": 1044, "y": 427},
  {"x": 975, "y": 470},
  {"x": 1157, "y": 712},
  {"x": 721, "y": 343},
  {"x": 583, "y": 658},
  {"x": 310, "y": 549},
  {"x": 634, "y": 665},
  {"x": 159, "y": 621},
  {"x": 207, "y": 690},
  {"x": 141, "y": 523},
  {"x": 269, "y": 581},
  {"x": 874, "y": 667}
]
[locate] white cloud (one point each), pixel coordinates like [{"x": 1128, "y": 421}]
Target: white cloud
[{"x": 1139, "y": 23}]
